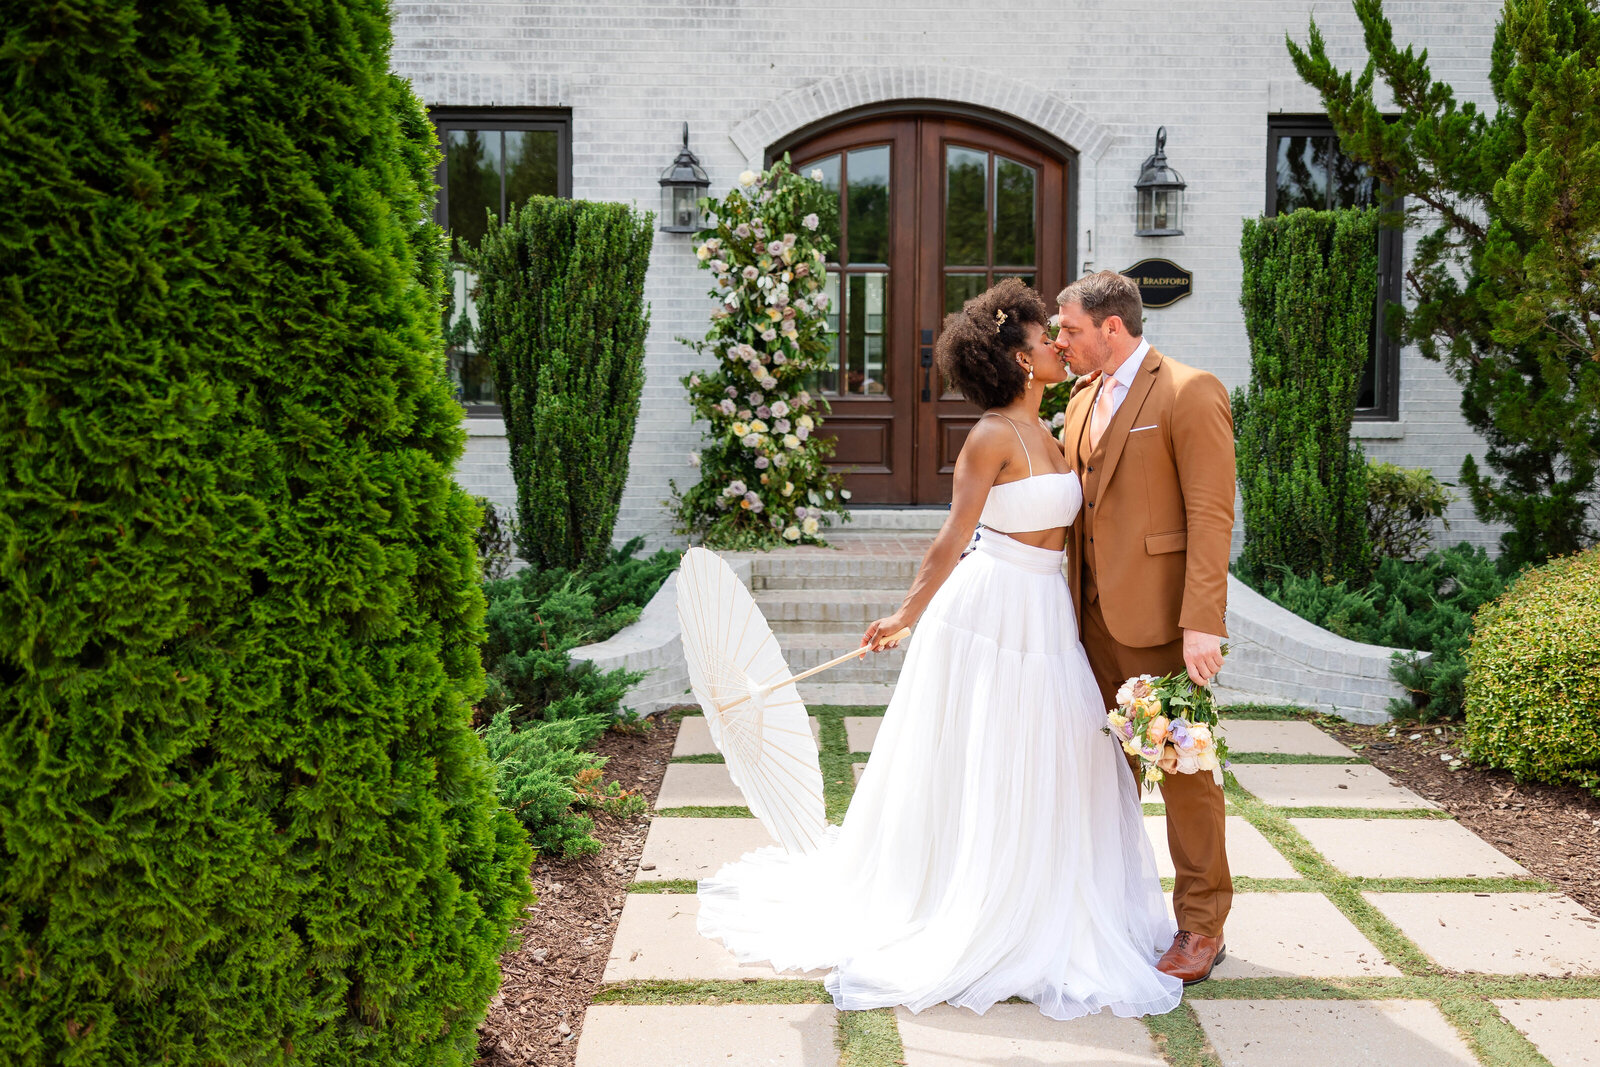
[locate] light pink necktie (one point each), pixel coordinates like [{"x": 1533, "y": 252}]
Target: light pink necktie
[{"x": 1100, "y": 418}]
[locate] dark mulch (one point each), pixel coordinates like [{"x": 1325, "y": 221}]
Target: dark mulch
[
  {"x": 549, "y": 980},
  {"x": 1554, "y": 831}
]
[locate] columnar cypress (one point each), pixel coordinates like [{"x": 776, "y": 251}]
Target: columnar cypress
[
  {"x": 1310, "y": 287},
  {"x": 561, "y": 313},
  {"x": 243, "y": 818}
]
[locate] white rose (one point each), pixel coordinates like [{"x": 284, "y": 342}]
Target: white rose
[
  {"x": 816, "y": 174},
  {"x": 811, "y": 221},
  {"x": 694, "y": 459},
  {"x": 792, "y": 534},
  {"x": 748, "y": 177},
  {"x": 810, "y": 526},
  {"x": 791, "y": 441}
]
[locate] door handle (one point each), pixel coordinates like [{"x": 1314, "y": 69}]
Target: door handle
[{"x": 927, "y": 365}]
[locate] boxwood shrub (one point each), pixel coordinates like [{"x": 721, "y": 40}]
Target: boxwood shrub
[{"x": 1533, "y": 676}]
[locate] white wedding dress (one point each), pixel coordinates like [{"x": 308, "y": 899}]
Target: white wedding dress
[{"x": 995, "y": 845}]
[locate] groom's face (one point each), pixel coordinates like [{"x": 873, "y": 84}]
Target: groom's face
[{"x": 1086, "y": 346}]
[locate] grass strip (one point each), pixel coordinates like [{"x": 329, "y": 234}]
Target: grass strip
[
  {"x": 1265, "y": 711},
  {"x": 665, "y": 885},
  {"x": 1243, "y": 884},
  {"x": 1482, "y": 886},
  {"x": 1493, "y": 1039},
  {"x": 704, "y": 757},
  {"x": 1180, "y": 1039},
  {"x": 1437, "y": 987},
  {"x": 1155, "y": 809},
  {"x": 869, "y": 1039},
  {"x": 697, "y": 811},
  {"x": 742, "y": 991},
  {"x": 838, "y": 778},
  {"x": 1290, "y": 757},
  {"x": 870, "y": 711},
  {"x": 1362, "y": 813}
]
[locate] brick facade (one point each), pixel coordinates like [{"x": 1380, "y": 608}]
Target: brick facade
[{"x": 1097, "y": 74}]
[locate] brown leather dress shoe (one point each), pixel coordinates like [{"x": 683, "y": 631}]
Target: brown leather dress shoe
[{"x": 1192, "y": 956}]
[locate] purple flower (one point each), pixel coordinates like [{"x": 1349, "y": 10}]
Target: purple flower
[
  {"x": 731, "y": 391},
  {"x": 727, "y": 407},
  {"x": 781, "y": 426},
  {"x": 763, "y": 412},
  {"x": 1178, "y": 733},
  {"x": 762, "y": 463},
  {"x": 1127, "y": 731}
]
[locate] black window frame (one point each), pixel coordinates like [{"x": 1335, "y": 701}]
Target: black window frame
[
  {"x": 1391, "y": 263},
  {"x": 445, "y": 119}
]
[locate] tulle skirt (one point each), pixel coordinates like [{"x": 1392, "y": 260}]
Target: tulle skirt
[{"x": 995, "y": 845}]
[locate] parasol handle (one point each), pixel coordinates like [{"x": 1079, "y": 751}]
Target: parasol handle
[{"x": 899, "y": 635}]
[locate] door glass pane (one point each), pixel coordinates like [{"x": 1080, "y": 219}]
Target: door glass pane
[
  {"x": 530, "y": 164},
  {"x": 1027, "y": 279},
  {"x": 1015, "y": 189},
  {"x": 1302, "y": 173},
  {"x": 472, "y": 161},
  {"x": 864, "y": 334},
  {"x": 867, "y": 214},
  {"x": 966, "y": 208},
  {"x": 826, "y": 380},
  {"x": 829, "y": 167},
  {"x": 959, "y": 288}
]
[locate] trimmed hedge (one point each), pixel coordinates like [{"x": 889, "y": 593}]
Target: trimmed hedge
[
  {"x": 243, "y": 815},
  {"x": 1533, "y": 676}
]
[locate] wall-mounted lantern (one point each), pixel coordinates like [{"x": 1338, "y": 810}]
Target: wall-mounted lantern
[
  {"x": 1160, "y": 192},
  {"x": 682, "y": 185}
]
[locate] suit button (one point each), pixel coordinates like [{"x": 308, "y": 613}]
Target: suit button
[
  {"x": 1091, "y": 503},
  {"x": 1091, "y": 470},
  {"x": 1091, "y": 540}
]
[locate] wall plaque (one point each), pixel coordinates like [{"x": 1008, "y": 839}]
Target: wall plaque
[{"x": 1161, "y": 282}]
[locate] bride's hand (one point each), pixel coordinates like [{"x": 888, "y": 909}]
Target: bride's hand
[{"x": 878, "y": 632}]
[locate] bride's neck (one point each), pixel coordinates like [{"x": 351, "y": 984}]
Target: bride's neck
[{"x": 1026, "y": 406}]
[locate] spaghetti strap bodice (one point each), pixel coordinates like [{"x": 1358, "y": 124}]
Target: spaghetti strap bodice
[{"x": 1037, "y": 502}]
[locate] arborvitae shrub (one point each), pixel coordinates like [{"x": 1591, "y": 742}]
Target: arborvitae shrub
[
  {"x": 243, "y": 817},
  {"x": 561, "y": 313},
  {"x": 1310, "y": 286}
]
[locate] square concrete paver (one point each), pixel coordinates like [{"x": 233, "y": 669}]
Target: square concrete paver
[
  {"x": 856, "y": 769},
  {"x": 1016, "y": 1034},
  {"x": 1562, "y": 1030},
  {"x": 1297, "y": 738},
  {"x": 1498, "y": 933},
  {"x": 697, "y": 848},
  {"x": 730, "y": 1035},
  {"x": 1295, "y": 935},
  {"x": 1313, "y": 785},
  {"x": 688, "y": 785},
  {"x": 1249, "y": 854},
  {"x": 656, "y": 939},
  {"x": 694, "y": 736},
  {"x": 1331, "y": 1033},
  {"x": 1406, "y": 848},
  {"x": 861, "y": 731}
]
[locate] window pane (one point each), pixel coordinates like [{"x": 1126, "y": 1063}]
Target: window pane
[
  {"x": 472, "y": 161},
  {"x": 1353, "y": 186},
  {"x": 1302, "y": 173},
  {"x": 1014, "y": 209},
  {"x": 531, "y": 158},
  {"x": 959, "y": 288},
  {"x": 867, "y": 219},
  {"x": 827, "y": 379},
  {"x": 966, "y": 206},
  {"x": 470, "y": 373},
  {"x": 864, "y": 334},
  {"x": 829, "y": 167}
]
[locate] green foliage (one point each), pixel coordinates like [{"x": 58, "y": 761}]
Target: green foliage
[
  {"x": 496, "y": 540},
  {"x": 535, "y": 768},
  {"x": 1425, "y": 605},
  {"x": 1533, "y": 678},
  {"x": 243, "y": 817},
  {"x": 1401, "y": 506},
  {"x": 561, "y": 314},
  {"x": 764, "y": 477},
  {"x": 1310, "y": 282},
  {"x": 1504, "y": 287}
]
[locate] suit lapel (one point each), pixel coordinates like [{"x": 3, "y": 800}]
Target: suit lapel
[{"x": 1116, "y": 436}]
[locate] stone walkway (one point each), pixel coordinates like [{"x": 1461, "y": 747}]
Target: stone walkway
[{"x": 1368, "y": 928}]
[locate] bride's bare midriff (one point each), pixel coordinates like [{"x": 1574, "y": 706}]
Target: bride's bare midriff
[{"x": 1055, "y": 540}]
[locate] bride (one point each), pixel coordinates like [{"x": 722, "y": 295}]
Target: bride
[{"x": 994, "y": 846}]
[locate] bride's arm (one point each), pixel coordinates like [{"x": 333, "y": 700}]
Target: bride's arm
[{"x": 982, "y": 458}]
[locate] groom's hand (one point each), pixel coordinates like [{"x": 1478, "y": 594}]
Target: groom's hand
[{"x": 1202, "y": 654}]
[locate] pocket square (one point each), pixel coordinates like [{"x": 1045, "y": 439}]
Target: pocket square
[{"x": 1152, "y": 426}]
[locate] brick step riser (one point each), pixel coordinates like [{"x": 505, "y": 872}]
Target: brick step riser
[
  {"x": 824, "y": 582},
  {"x": 824, "y": 617}
]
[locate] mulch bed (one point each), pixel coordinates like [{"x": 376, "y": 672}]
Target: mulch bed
[
  {"x": 1554, "y": 831},
  {"x": 548, "y": 981}
]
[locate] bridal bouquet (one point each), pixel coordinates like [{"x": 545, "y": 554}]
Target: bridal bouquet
[{"x": 1170, "y": 724}]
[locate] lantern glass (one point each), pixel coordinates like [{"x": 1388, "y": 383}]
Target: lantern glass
[{"x": 680, "y": 209}]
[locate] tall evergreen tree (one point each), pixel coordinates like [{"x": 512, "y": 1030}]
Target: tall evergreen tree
[
  {"x": 1506, "y": 285},
  {"x": 243, "y": 818}
]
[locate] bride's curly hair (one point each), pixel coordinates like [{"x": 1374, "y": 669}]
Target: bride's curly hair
[{"x": 977, "y": 344}]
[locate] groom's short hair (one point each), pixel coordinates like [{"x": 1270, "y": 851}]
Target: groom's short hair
[{"x": 1105, "y": 293}]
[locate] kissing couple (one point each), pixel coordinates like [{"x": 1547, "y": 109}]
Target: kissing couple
[{"x": 995, "y": 846}]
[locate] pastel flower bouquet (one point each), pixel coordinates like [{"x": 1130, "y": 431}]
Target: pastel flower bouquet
[{"x": 1170, "y": 724}]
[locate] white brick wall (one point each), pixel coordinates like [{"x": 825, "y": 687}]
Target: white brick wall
[{"x": 1099, "y": 74}]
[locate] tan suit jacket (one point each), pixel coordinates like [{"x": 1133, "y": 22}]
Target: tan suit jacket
[{"x": 1158, "y": 503}]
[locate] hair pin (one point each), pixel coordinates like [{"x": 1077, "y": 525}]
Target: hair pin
[{"x": 999, "y": 319}]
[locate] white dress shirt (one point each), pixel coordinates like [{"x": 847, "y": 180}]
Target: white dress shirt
[{"x": 1122, "y": 380}]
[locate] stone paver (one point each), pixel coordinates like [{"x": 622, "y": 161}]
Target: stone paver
[
  {"x": 1331, "y": 1033},
  {"x": 729, "y": 1035},
  {"x": 861, "y": 731},
  {"x": 656, "y": 938},
  {"x": 1016, "y": 1035},
  {"x": 1295, "y": 935},
  {"x": 1249, "y": 854},
  {"x": 1562, "y": 1030},
  {"x": 856, "y": 769},
  {"x": 1297, "y": 738},
  {"x": 1311, "y": 785},
  {"x": 696, "y": 848},
  {"x": 1498, "y": 933},
  {"x": 698, "y": 785},
  {"x": 694, "y": 736},
  {"x": 1406, "y": 848}
]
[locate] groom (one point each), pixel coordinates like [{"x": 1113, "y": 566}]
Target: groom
[{"x": 1152, "y": 442}]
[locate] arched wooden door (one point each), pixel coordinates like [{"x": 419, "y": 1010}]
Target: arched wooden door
[{"x": 932, "y": 211}]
